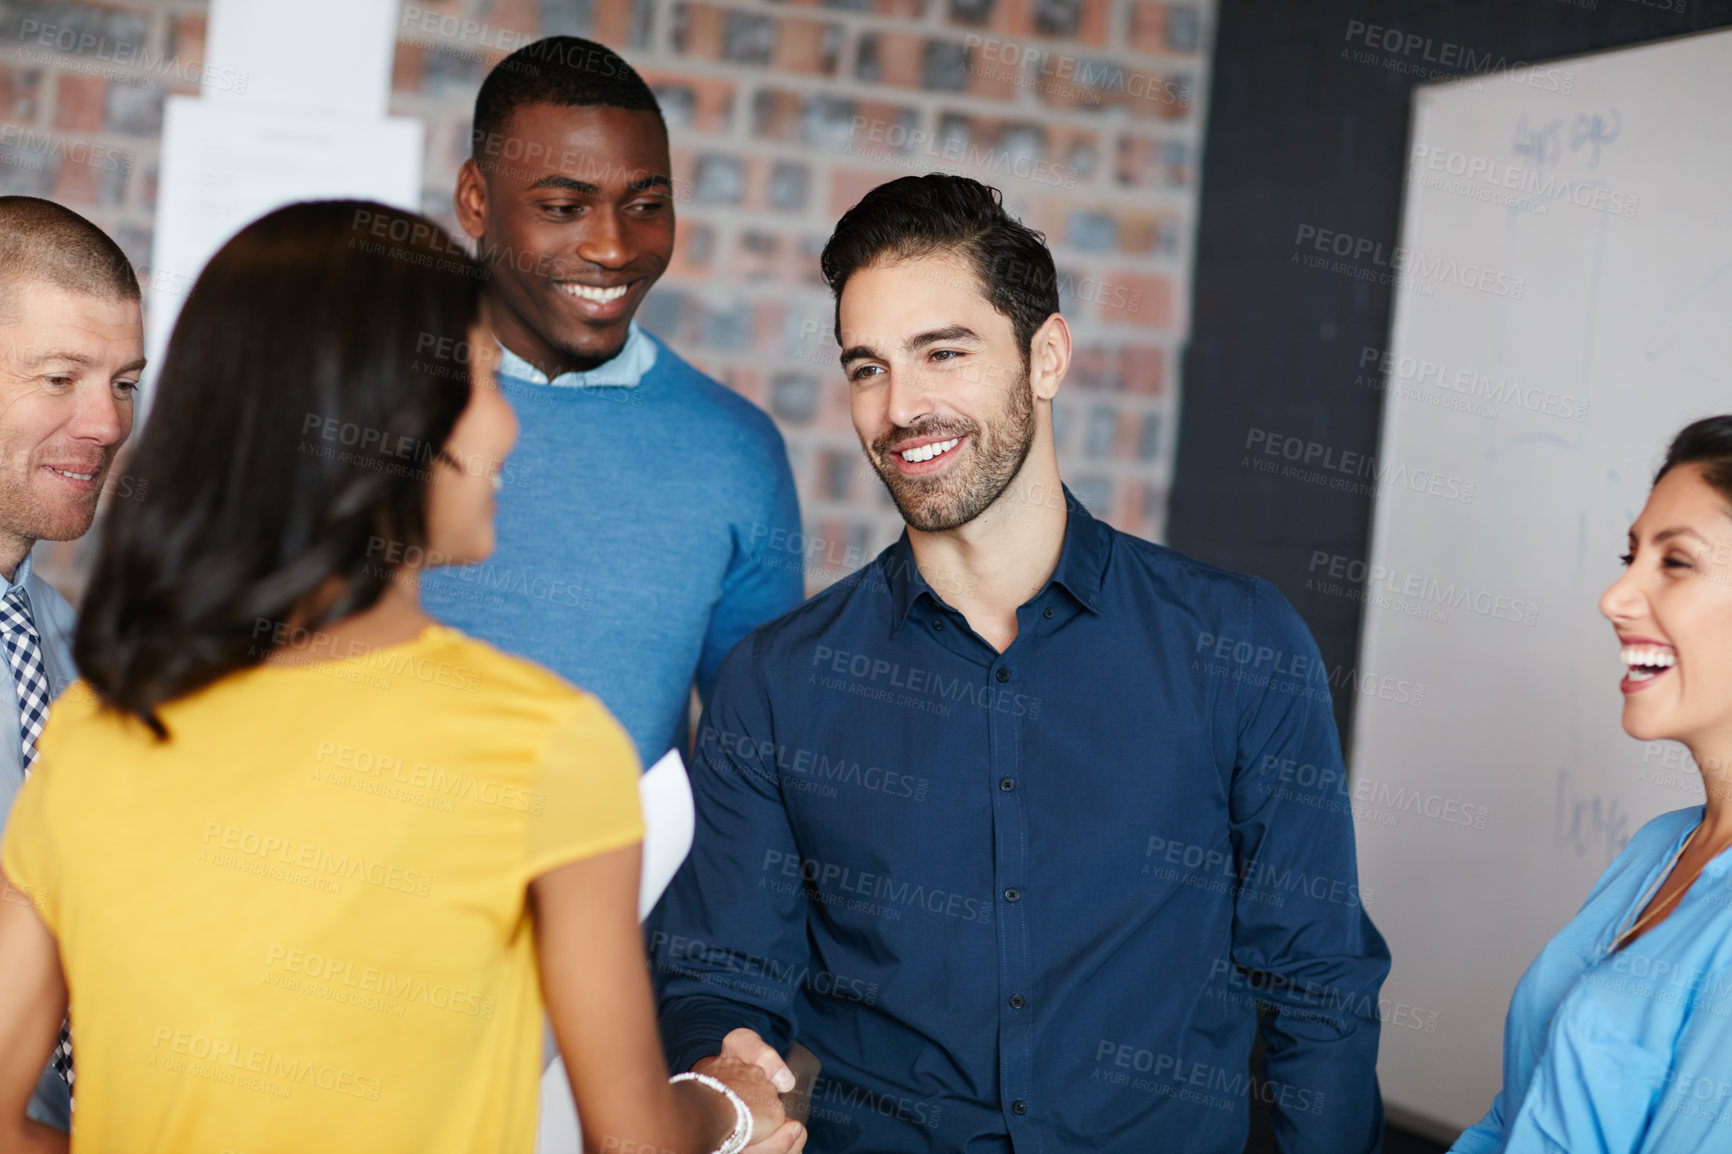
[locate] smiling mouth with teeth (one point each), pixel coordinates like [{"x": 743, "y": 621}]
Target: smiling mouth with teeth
[
  {"x": 927, "y": 452},
  {"x": 1647, "y": 662},
  {"x": 74, "y": 476},
  {"x": 593, "y": 293}
]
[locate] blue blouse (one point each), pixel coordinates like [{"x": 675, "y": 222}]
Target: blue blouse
[{"x": 1626, "y": 1053}]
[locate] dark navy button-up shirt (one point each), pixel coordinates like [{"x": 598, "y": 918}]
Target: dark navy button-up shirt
[{"x": 1033, "y": 900}]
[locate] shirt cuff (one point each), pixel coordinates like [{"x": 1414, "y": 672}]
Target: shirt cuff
[{"x": 693, "y": 1028}]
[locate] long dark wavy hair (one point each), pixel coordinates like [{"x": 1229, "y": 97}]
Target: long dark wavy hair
[{"x": 313, "y": 377}]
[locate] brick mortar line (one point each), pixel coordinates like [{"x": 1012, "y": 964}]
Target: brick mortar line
[
  {"x": 1086, "y": 322},
  {"x": 810, "y": 85},
  {"x": 661, "y": 25},
  {"x": 837, "y": 85},
  {"x": 853, "y": 22},
  {"x": 1063, "y": 254},
  {"x": 438, "y": 115},
  {"x": 932, "y": 14},
  {"x": 670, "y": 59},
  {"x": 51, "y": 65},
  {"x": 1098, "y": 189},
  {"x": 728, "y": 220},
  {"x": 749, "y": 82},
  {"x": 681, "y": 135},
  {"x": 161, "y": 28},
  {"x": 140, "y": 148},
  {"x": 934, "y": 22},
  {"x": 1099, "y": 183}
]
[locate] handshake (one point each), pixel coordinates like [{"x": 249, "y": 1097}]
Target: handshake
[{"x": 751, "y": 1068}]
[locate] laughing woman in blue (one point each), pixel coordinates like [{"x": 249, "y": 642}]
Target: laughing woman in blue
[{"x": 1619, "y": 1037}]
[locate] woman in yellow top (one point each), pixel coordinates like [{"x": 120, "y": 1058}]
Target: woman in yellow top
[{"x": 306, "y": 861}]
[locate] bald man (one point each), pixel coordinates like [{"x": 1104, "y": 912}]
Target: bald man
[{"x": 71, "y": 351}]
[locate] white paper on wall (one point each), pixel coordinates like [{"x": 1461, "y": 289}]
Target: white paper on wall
[
  {"x": 310, "y": 55},
  {"x": 225, "y": 165}
]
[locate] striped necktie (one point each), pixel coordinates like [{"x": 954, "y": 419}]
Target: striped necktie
[{"x": 30, "y": 679}]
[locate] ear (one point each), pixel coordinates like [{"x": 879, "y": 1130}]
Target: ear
[
  {"x": 470, "y": 199},
  {"x": 1049, "y": 357}
]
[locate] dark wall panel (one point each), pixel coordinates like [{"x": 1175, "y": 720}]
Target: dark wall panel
[{"x": 1308, "y": 128}]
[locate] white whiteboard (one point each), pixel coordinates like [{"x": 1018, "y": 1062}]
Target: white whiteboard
[{"x": 1591, "y": 197}]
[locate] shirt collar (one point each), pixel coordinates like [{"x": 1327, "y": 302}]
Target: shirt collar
[
  {"x": 625, "y": 370},
  {"x": 1080, "y": 572},
  {"x": 20, "y": 575}
]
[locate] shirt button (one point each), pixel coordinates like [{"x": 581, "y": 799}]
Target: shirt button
[
  {"x": 1013, "y": 895},
  {"x": 1006, "y": 784},
  {"x": 1003, "y": 674},
  {"x": 937, "y": 624},
  {"x": 1019, "y": 1107},
  {"x": 1016, "y": 1002},
  {"x": 1047, "y": 612}
]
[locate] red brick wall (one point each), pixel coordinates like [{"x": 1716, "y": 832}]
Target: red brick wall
[{"x": 1086, "y": 113}]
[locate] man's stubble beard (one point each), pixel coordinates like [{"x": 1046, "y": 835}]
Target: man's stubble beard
[
  {"x": 953, "y": 499},
  {"x": 24, "y": 514}
]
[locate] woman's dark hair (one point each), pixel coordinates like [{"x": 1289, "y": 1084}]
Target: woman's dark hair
[
  {"x": 917, "y": 216},
  {"x": 1707, "y": 443},
  {"x": 315, "y": 372}
]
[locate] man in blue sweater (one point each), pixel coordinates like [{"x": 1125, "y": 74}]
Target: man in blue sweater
[{"x": 642, "y": 497}]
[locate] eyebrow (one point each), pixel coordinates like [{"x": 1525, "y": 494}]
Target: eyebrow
[
  {"x": 584, "y": 188},
  {"x": 61, "y": 355},
  {"x": 1665, "y": 535},
  {"x": 917, "y": 341},
  {"x": 567, "y": 184},
  {"x": 81, "y": 360}
]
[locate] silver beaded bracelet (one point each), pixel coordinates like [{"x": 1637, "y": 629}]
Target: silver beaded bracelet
[{"x": 742, "y": 1132}]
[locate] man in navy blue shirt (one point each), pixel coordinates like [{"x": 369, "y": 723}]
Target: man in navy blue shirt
[{"x": 1022, "y": 827}]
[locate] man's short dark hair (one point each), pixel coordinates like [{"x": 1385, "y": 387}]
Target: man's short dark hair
[
  {"x": 567, "y": 71},
  {"x": 48, "y": 243},
  {"x": 918, "y": 216}
]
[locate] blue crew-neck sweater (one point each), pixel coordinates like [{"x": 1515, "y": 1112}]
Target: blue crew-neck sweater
[{"x": 641, "y": 533}]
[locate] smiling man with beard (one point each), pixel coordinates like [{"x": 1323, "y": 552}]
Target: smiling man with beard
[
  {"x": 71, "y": 352},
  {"x": 637, "y": 507},
  {"x": 1021, "y": 828}
]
